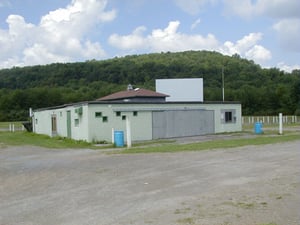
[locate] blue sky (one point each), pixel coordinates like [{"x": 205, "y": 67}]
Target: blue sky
[{"x": 36, "y": 32}]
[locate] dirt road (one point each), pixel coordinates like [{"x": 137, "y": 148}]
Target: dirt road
[{"x": 247, "y": 185}]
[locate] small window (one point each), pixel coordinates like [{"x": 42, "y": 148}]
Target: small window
[
  {"x": 98, "y": 114},
  {"x": 104, "y": 119},
  {"x": 36, "y": 121},
  {"x": 135, "y": 113},
  {"x": 123, "y": 117},
  {"x": 118, "y": 113},
  {"x": 76, "y": 121},
  {"x": 228, "y": 117}
]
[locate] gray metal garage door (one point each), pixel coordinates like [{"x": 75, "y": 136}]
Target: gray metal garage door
[{"x": 182, "y": 123}]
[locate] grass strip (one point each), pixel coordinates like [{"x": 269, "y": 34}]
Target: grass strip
[
  {"x": 216, "y": 144},
  {"x": 26, "y": 138}
]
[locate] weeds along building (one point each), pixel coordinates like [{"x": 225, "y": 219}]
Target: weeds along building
[{"x": 150, "y": 116}]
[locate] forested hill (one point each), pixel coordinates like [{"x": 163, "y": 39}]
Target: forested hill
[{"x": 261, "y": 91}]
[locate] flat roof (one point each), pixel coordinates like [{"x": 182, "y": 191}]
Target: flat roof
[{"x": 135, "y": 103}]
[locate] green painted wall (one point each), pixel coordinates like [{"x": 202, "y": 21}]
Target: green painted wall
[{"x": 112, "y": 117}]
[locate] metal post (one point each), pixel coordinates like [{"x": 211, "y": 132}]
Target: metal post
[{"x": 223, "y": 89}]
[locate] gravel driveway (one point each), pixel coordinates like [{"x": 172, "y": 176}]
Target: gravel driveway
[{"x": 247, "y": 185}]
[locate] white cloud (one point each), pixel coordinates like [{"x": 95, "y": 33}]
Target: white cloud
[
  {"x": 289, "y": 32},
  {"x": 4, "y": 3},
  {"x": 247, "y": 47},
  {"x": 258, "y": 53},
  {"x": 59, "y": 37},
  {"x": 278, "y": 8},
  {"x": 167, "y": 39},
  {"x": 170, "y": 39},
  {"x": 195, "y": 24},
  {"x": 270, "y": 8},
  {"x": 15, "y": 39},
  {"x": 242, "y": 8},
  {"x": 40, "y": 54},
  {"x": 285, "y": 15},
  {"x": 131, "y": 41},
  {"x": 288, "y": 68},
  {"x": 248, "y": 41},
  {"x": 193, "y": 7}
]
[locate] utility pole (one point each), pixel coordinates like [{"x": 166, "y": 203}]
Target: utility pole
[{"x": 223, "y": 89}]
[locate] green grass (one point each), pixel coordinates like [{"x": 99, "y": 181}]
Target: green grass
[
  {"x": 153, "y": 142},
  {"x": 5, "y": 125},
  {"x": 215, "y": 144},
  {"x": 27, "y": 138}
]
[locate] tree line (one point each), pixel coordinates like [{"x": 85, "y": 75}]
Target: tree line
[{"x": 261, "y": 91}]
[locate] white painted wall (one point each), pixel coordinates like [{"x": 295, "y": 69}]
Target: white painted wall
[
  {"x": 220, "y": 125},
  {"x": 91, "y": 128},
  {"x": 80, "y": 130},
  {"x": 42, "y": 122},
  {"x": 185, "y": 90},
  {"x": 61, "y": 117}
]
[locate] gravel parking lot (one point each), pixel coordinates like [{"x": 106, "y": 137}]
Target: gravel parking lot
[{"x": 247, "y": 185}]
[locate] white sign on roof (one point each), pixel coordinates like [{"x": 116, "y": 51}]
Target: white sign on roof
[{"x": 181, "y": 90}]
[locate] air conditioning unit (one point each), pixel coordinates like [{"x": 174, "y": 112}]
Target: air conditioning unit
[{"x": 78, "y": 111}]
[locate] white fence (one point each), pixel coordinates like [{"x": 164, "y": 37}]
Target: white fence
[
  {"x": 13, "y": 127},
  {"x": 270, "y": 119}
]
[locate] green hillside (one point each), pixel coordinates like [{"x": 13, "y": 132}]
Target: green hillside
[{"x": 261, "y": 91}]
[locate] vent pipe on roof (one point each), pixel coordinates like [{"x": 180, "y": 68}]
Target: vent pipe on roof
[{"x": 129, "y": 87}]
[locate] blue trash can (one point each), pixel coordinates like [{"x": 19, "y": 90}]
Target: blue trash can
[
  {"x": 258, "y": 128},
  {"x": 119, "y": 138}
]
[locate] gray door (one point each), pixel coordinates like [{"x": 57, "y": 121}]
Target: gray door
[{"x": 182, "y": 123}]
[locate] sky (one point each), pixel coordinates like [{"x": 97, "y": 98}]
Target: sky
[{"x": 35, "y": 32}]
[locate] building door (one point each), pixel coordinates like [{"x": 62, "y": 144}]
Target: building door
[
  {"x": 69, "y": 128},
  {"x": 53, "y": 125},
  {"x": 182, "y": 123}
]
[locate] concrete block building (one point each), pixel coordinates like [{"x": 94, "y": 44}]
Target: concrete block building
[{"x": 150, "y": 116}]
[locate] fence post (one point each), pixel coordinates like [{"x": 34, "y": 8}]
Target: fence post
[
  {"x": 112, "y": 135},
  {"x": 128, "y": 132},
  {"x": 280, "y": 123}
]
